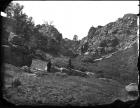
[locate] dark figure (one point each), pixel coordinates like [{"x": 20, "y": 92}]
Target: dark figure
[
  {"x": 70, "y": 63},
  {"x": 70, "y": 66},
  {"x": 49, "y": 66}
]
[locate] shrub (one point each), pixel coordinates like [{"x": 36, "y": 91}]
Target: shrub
[
  {"x": 60, "y": 62},
  {"x": 83, "y": 69},
  {"x": 88, "y": 58}
]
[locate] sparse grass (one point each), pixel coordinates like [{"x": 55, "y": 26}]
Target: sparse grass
[
  {"x": 122, "y": 66},
  {"x": 51, "y": 89}
]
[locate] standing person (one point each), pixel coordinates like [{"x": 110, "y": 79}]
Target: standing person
[
  {"x": 49, "y": 66},
  {"x": 69, "y": 65}
]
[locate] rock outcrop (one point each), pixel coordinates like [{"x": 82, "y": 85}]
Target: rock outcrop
[
  {"x": 106, "y": 39},
  {"x": 16, "y": 56},
  {"x": 50, "y": 39}
]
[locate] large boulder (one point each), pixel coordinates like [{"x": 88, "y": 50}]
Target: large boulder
[
  {"x": 132, "y": 90},
  {"x": 16, "y": 39},
  {"x": 131, "y": 87}
]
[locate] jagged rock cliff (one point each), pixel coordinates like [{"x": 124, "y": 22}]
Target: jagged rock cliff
[{"x": 106, "y": 39}]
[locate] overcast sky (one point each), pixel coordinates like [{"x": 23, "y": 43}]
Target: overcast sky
[{"x": 76, "y": 17}]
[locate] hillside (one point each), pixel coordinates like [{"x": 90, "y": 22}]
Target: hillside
[
  {"x": 111, "y": 51},
  {"x": 120, "y": 66}
]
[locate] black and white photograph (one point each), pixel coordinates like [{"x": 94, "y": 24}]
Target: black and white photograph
[{"x": 70, "y": 53}]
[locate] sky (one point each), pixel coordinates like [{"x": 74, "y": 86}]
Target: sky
[{"x": 76, "y": 17}]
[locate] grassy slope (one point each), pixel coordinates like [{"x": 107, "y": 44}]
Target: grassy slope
[
  {"x": 58, "y": 90},
  {"x": 122, "y": 66}
]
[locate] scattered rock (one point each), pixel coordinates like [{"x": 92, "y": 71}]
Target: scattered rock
[
  {"x": 90, "y": 74},
  {"x": 106, "y": 79},
  {"x": 131, "y": 87},
  {"x": 46, "y": 68},
  {"x": 26, "y": 69},
  {"x": 61, "y": 74},
  {"x": 86, "y": 53}
]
